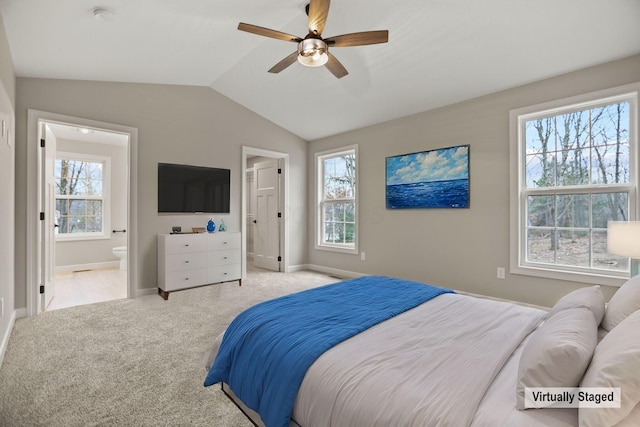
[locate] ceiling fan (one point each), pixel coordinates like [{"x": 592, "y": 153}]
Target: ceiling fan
[{"x": 313, "y": 50}]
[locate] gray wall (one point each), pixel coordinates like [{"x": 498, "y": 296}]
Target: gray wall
[
  {"x": 7, "y": 188},
  {"x": 79, "y": 252},
  {"x": 454, "y": 248},
  {"x": 7, "y": 73},
  {"x": 176, "y": 124}
]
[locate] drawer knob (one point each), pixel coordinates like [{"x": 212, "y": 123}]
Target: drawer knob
[
  {"x": 225, "y": 273},
  {"x": 187, "y": 261},
  {"x": 186, "y": 244},
  {"x": 225, "y": 243},
  {"x": 186, "y": 278},
  {"x": 226, "y": 257}
]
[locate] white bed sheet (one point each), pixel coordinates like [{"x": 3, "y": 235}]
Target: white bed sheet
[{"x": 429, "y": 366}]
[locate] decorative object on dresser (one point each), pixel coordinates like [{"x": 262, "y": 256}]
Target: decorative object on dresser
[{"x": 190, "y": 260}]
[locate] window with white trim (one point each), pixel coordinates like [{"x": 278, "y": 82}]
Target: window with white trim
[
  {"x": 81, "y": 196},
  {"x": 576, "y": 170},
  {"x": 337, "y": 207}
]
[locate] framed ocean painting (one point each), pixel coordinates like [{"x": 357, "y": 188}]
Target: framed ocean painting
[{"x": 429, "y": 179}]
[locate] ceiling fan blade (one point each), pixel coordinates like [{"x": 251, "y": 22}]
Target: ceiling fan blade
[
  {"x": 284, "y": 63},
  {"x": 318, "y": 11},
  {"x": 359, "y": 39},
  {"x": 336, "y": 68},
  {"x": 261, "y": 31}
]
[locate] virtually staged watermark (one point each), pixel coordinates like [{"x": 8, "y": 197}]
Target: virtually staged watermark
[{"x": 572, "y": 397}]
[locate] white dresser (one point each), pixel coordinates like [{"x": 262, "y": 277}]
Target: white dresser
[{"x": 190, "y": 260}]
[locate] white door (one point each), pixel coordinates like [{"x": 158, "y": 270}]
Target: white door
[
  {"x": 48, "y": 223},
  {"x": 266, "y": 250}
]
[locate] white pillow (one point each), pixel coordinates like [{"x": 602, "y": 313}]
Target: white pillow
[
  {"x": 616, "y": 363},
  {"x": 632, "y": 420},
  {"x": 625, "y": 301},
  {"x": 602, "y": 332},
  {"x": 558, "y": 352},
  {"x": 590, "y": 298}
]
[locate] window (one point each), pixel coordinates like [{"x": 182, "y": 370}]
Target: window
[
  {"x": 81, "y": 202},
  {"x": 337, "y": 190},
  {"x": 576, "y": 170}
]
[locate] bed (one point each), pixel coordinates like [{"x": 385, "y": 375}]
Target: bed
[{"x": 436, "y": 359}]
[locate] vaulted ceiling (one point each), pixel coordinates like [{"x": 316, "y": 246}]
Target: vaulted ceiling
[{"x": 439, "y": 51}]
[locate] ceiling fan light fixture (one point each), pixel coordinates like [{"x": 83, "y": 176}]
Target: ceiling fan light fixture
[{"x": 313, "y": 52}]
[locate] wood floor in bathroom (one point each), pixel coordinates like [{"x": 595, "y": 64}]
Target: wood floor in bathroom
[{"x": 88, "y": 287}]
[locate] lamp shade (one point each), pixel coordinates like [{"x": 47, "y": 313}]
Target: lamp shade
[{"x": 623, "y": 238}]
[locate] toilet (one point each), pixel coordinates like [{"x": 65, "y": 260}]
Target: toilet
[{"x": 121, "y": 252}]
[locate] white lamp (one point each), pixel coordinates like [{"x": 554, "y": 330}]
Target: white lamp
[{"x": 623, "y": 238}]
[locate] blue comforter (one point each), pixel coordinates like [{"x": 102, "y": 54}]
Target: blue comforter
[{"x": 267, "y": 349}]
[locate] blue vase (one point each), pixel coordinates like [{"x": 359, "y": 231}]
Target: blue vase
[{"x": 211, "y": 226}]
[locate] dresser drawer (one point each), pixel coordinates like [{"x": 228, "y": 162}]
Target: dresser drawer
[
  {"x": 185, "y": 261},
  {"x": 231, "y": 256},
  {"x": 221, "y": 241},
  {"x": 224, "y": 273},
  {"x": 187, "y": 243},
  {"x": 185, "y": 279}
]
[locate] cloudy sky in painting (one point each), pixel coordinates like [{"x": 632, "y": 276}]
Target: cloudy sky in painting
[{"x": 427, "y": 166}]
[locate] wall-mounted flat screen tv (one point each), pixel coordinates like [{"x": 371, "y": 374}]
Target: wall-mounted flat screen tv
[{"x": 193, "y": 189}]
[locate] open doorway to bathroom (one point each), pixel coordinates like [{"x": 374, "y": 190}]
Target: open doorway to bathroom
[
  {"x": 90, "y": 243},
  {"x": 84, "y": 196}
]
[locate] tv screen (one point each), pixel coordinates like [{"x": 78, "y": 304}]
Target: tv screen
[{"x": 191, "y": 189}]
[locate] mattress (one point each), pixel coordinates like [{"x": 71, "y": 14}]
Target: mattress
[{"x": 450, "y": 361}]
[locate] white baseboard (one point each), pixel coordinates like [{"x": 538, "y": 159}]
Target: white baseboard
[
  {"x": 346, "y": 274},
  {"x": 471, "y": 294},
  {"x": 7, "y": 335},
  {"x": 145, "y": 291},
  {"x": 294, "y": 268},
  {"x": 91, "y": 266}
]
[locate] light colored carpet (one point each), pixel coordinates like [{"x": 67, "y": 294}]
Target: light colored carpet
[{"x": 137, "y": 362}]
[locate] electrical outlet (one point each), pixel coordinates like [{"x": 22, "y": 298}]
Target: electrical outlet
[
  {"x": 362, "y": 256},
  {"x": 500, "y": 273}
]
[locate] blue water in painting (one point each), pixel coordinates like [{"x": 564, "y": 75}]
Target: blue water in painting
[{"x": 435, "y": 194}]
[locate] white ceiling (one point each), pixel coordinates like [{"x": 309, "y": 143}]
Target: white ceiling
[
  {"x": 439, "y": 51},
  {"x": 84, "y": 134}
]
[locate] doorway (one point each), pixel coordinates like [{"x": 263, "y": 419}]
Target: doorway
[
  {"x": 96, "y": 228},
  {"x": 264, "y": 200}
]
